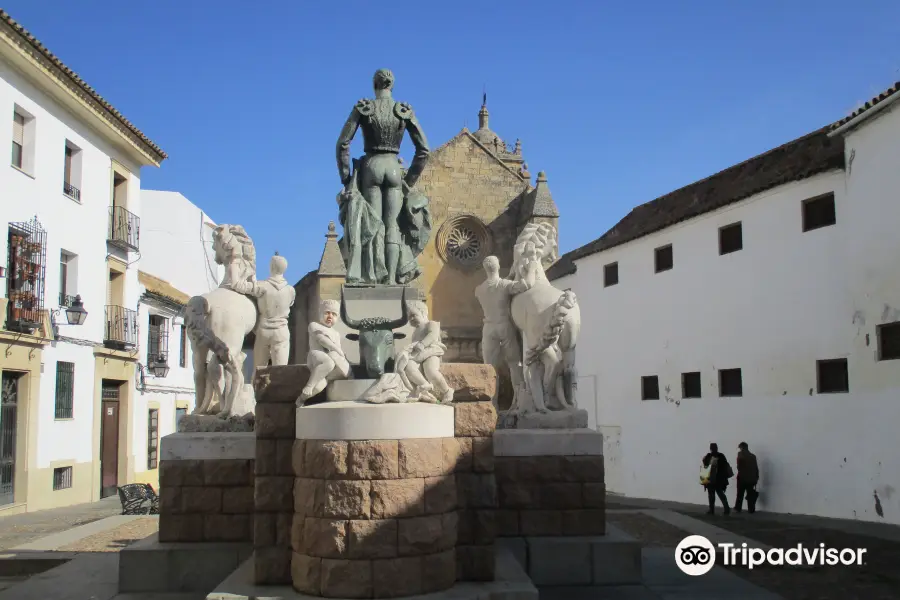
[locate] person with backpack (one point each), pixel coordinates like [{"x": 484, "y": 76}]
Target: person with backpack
[
  {"x": 747, "y": 478},
  {"x": 719, "y": 474}
]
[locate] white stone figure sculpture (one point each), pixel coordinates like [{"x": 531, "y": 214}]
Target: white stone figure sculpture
[
  {"x": 326, "y": 360},
  {"x": 419, "y": 365},
  {"x": 275, "y": 296},
  {"x": 217, "y": 323},
  {"x": 499, "y": 337},
  {"x": 390, "y": 387},
  {"x": 548, "y": 321}
]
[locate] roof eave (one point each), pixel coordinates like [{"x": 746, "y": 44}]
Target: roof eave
[
  {"x": 866, "y": 114},
  {"x": 42, "y": 75}
]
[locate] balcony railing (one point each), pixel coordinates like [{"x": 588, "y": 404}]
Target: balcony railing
[
  {"x": 71, "y": 191},
  {"x": 121, "y": 328},
  {"x": 124, "y": 228}
]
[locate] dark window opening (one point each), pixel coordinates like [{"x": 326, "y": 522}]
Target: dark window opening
[
  {"x": 62, "y": 478},
  {"x": 65, "y": 390},
  {"x": 832, "y": 377},
  {"x": 730, "y": 383},
  {"x": 731, "y": 238},
  {"x": 152, "y": 438},
  {"x": 650, "y": 387},
  {"x": 690, "y": 385},
  {"x": 888, "y": 341},
  {"x": 182, "y": 350},
  {"x": 611, "y": 274},
  {"x": 819, "y": 212},
  {"x": 157, "y": 341},
  {"x": 664, "y": 259},
  {"x": 180, "y": 412}
]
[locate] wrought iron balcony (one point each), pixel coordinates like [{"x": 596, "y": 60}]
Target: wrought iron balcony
[
  {"x": 71, "y": 191},
  {"x": 124, "y": 228},
  {"x": 121, "y": 328}
]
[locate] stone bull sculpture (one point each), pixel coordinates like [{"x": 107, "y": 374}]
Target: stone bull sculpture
[{"x": 376, "y": 339}]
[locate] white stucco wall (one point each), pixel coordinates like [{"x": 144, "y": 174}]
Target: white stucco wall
[
  {"x": 77, "y": 227},
  {"x": 177, "y": 248},
  {"x": 786, "y": 300},
  {"x": 177, "y": 242}
]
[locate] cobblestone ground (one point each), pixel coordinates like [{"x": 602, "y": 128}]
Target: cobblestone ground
[
  {"x": 115, "y": 539},
  {"x": 16, "y": 530},
  {"x": 877, "y": 579}
]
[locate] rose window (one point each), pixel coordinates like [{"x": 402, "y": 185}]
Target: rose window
[{"x": 464, "y": 241}]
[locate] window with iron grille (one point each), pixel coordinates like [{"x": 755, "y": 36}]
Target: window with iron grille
[
  {"x": 152, "y": 438},
  {"x": 157, "y": 341},
  {"x": 182, "y": 351},
  {"x": 65, "y": 390},
  {"x": 62, "y": 478}
]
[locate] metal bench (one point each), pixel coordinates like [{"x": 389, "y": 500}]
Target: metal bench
[{"x": 139, "y": 499}]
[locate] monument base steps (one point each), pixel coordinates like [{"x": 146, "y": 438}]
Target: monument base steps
[
  {"x": 153, "y": 566},
  {"x": 611, "y": 559},
  {"x": 511, "y": 583}
]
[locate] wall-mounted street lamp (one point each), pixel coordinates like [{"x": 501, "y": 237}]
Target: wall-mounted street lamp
[
  {"x": 75, "y": 313},
  {"x": 159, "y": 367}
]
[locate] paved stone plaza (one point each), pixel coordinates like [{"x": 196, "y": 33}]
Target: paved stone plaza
[{"x": 77, "y": 535}]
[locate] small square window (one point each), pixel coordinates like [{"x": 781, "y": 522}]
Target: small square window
[
  {"x": 730, "y": 383},
  {"x": 611, "y": 274},
  {"x": 888, "y": 341},
  {"x": 690, "y": 385},
  {"x": 663, "y": 258},
  {"x": 731, "y": 238},
  {"x": 818, "y": 212},
  {"x": 650, "y": 387},
  {"x": 831, "y": 376},
  {"x": 62, "y": 478}
]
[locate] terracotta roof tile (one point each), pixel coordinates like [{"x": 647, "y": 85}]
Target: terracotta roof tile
[
  {"x": 80, "y": 83},
  {"x": 869, "y": 105},
  {"x": 802, "y": 158}
]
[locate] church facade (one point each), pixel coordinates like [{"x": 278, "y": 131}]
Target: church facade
[{"x": 480, "y": 196}]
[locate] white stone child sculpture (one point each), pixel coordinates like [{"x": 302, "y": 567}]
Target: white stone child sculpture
[
  {"x": 326, "y": 360},
  {"x": 420, "y": 363},
  {"x": 275, "y": 298}
]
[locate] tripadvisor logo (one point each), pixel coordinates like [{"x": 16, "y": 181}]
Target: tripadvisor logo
[{"x": 696, "y": 555}]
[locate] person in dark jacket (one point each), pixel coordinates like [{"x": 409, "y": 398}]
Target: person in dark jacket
[
  {"x": 747, "y": 478},
  {"x": 718, "y": 478}
]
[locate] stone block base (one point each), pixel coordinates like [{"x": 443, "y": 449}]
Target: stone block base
[
  {"x": 562, "y": 419},
  {"x": 511, "y": 583},
  {"x": 612, "y": 559},
  {"x": 153, "y": 566},
  {"x": 206, "y": 487},
  {"x": 551, "y": 483}
]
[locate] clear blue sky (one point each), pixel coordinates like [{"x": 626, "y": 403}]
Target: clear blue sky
[{"x": 618, "y": 104}]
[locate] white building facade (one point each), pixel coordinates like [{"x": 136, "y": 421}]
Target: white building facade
[
  {"x": 761, "y": 305},
  {"x": 70, "y": 206},
  {"x": 178, "y": 262}
]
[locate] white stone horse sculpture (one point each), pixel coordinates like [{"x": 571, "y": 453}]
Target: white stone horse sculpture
[
  {"x": 549, "y": 321},
  {"x": 217, "y": 323}
]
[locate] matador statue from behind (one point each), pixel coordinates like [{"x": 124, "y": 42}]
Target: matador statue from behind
[{"x": 386, "y": 220}]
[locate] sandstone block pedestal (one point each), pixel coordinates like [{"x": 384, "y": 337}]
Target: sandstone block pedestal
[
  {"x": 375, "y": 507},
  {"x": 552, "y": 514},
  {"x": 206, "y": 487},
  {"x": 392, "y": 500}
]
